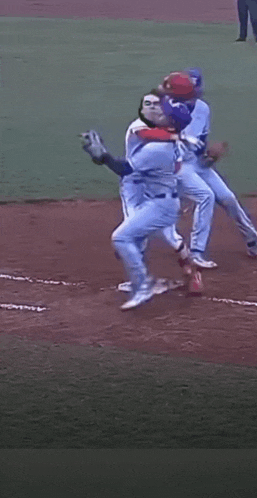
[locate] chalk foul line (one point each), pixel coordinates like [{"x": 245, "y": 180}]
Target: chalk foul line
[
  {"x": 231, "y": 301},
  {"x": 38, "y": 309},
  {"x": 33, "y": 280},
  {"x": 23, "y": 307}
]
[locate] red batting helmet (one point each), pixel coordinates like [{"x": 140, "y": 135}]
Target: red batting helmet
[{"x": 179, "y": 85}]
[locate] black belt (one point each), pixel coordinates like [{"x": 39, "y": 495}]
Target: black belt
[{"x": 174, "y": 195}]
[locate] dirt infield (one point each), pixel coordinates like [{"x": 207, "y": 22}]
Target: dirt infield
[
  {"x": 69, "y": 243},
  {"x": 164, "y": 10}
]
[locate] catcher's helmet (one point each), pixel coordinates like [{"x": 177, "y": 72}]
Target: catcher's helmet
[{"x": 179, "y": 86}]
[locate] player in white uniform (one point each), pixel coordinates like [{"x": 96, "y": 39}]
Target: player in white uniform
[
  {"x": 132, "y": 186},
  {"x": 192, "y": 186},
  {"x": 153, "y": 164},
  {"x": 194, "y": 176}
]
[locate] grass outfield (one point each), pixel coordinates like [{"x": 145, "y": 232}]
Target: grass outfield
[
  {"x": 60, "y": 77},
  {"x": 59, "y": 396},
  {"x": 128, "y": 474}
]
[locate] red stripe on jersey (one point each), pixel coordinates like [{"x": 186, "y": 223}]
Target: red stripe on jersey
[{"x": 158, "y": 134}]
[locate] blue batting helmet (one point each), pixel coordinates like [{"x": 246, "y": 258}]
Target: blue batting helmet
[
  {"x": 177, "y": 113},
  {"x": 196, "y": 76}
]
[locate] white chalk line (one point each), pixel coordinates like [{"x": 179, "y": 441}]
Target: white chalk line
[
  {"x": 39, "y": 309},
  {"x": 33, "y": 280},
  {"x": 231, "y": 301},
  {"x": 23, "y": 307}
]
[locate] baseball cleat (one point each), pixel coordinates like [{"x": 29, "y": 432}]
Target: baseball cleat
[
  {"x": 200, "y": 262},
  {"x": 142, "y": 296},
  {"x": 93, "y": 144},
  {"x": 161, "y": 286},
  {"x": 252, "y": 249},
  {"x": 195, "y": 284},
  {"x": 186, "y": 266},
  {"x": 125, "y": 287}
]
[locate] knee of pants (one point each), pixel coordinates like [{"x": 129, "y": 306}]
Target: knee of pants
[
  {"x": 118, "y": 238},
  {"x": 210, "y": 196},
  {"x": 115, "y": 237},
  {"x": 206, "y": 196}
]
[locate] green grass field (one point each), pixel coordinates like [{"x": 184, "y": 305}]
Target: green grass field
[
  {"x": 60, "y": 396},
  {"x": 61, "y": 77}
]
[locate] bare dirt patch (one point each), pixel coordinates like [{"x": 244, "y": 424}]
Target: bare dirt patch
[{"x": 69, "y": 242}]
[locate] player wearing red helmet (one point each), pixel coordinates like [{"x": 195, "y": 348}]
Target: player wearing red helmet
[{"x": 178, "y": 85}]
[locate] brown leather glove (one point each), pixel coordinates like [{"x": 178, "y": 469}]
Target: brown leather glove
[{"x": 216, "y": 151}]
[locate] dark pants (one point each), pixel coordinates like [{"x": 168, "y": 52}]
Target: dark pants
[{"x": 245, "y": 6}]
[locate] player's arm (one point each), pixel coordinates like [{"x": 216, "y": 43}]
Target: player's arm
[
  {"x": 93, "y": 144},
  {"x": 157, "y": 134},
  {"x": 195, "y": 144},
  {"x": 203, "y": 136},
  {"x": 195, "y": 136},
  {"x": 119, "y": 166}
]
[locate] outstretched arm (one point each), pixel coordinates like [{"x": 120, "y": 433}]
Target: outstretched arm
[
  {"x": 93, "y": 144},
  {"x": 119, "y": 166}
]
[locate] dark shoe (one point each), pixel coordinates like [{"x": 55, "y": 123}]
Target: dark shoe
[{"x": 240, "y": 39}]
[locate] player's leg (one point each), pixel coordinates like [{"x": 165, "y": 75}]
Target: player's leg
[
  {"x": 252, "y": 5},
  {"x": 152, "y": 216},
  {"x": 195, "y": 188},
  {"x": 243, "y": 19},
  {"x": 227, "y": 199},
  {"x": 132, "y": 197},
  {"x": 171, "y": 236}
]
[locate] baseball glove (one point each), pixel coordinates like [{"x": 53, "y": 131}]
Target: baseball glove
[
  {"x": 215, "y": 152},
  {"x": 93, "y": 144}
]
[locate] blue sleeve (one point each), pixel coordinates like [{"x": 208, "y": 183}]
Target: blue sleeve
[{"x": 119, "y": 166}]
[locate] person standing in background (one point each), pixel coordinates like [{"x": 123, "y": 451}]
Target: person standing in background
[{"x": 245, "y": 6}]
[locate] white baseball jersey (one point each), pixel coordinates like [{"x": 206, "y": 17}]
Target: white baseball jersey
[{"x": 152, "y": 162}]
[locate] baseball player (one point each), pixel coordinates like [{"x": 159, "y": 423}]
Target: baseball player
[
  {"x": 153, "y": 165},
  {"x": 191, "y": 184},
  {"x": 195, "y": 165},
  {"x": 150, "y": 126},
  {"x": 132, "y": 190}
]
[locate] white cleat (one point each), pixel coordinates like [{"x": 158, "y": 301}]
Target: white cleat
[
  {"x": 161, "y": 286},
  {"x": 143, "y": 295},
  {"x": 202, "y": 263},
  {"x": 125, "y": 287}
]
